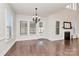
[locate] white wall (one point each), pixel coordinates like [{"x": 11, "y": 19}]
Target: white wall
[
  {"x": 4, "y": 46},
  {"x": 62, "y": 15},
  {"x": 28, "y": 37},
  {"x": 78, "y": 23},
  {"x": 51, "y": 28},
  {"x": 49, "y": 25}
]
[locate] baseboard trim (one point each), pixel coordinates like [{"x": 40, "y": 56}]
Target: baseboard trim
[{"x": 4, "y": 51}]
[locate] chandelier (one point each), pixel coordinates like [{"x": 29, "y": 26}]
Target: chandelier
[{"x": 36, "y": 18}]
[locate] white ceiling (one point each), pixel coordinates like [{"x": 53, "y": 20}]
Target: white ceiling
[{"x": 44, "y": 9}]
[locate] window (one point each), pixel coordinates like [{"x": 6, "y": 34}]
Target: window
[
  {"x": 23, "y": 28},
  {"x": 41, "y": 27},
  {"x": 32, "y": 29},
  {"x": 9, "y": 24},
  {"x": 40, "y": 24},
  {"x": 57, "y": 27},
  {"x": 72, "y": 6}
]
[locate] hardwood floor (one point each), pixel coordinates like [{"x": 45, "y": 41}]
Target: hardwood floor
[{"x": 49, "y": 48}]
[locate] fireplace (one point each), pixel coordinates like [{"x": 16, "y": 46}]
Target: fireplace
[
  {"x": 67, "y": 38},
  {"x": 66, "y": 35}
]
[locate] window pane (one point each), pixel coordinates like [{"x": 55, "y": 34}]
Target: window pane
[
  {"x": 57, "y": 27},
  {"x": 40, "y": 24},
  {"x": 23, "y": 27},
  {"x": 9, "y": 24},
  {"x": 32, "y": 28}
]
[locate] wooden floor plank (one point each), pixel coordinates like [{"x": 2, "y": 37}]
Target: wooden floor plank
[{"x": 49, "y": 48}]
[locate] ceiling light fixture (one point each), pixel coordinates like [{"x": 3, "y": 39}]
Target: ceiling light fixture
[{"x": 36, "y": 18}]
